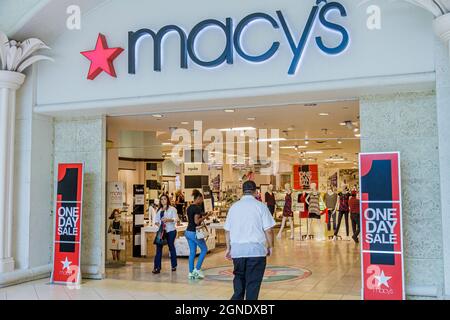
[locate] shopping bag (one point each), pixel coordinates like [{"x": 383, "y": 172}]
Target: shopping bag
[
  {"x": 114, "y": 242},
  {"x": 121, "y": 245}
]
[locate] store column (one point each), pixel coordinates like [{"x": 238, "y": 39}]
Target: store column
[
  {"x": 442, "y": 29},
  {"x": 9, "y": 83}
]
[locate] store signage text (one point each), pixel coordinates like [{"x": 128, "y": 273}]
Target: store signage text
[
  {"x": 380, "y": 225},
  {"x": 234, "y": 35},
  {"x": 68, "y": 220}
]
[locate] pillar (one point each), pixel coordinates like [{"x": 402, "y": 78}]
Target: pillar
[
  {"x": 442, "y": 29},
  {"x": 9, "y": 83}
]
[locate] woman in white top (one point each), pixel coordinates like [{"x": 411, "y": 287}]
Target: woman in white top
[{"x": 167, "y": 216}]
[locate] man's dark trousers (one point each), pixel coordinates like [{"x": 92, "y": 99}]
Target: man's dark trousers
[{"x": 248, "y": 276}]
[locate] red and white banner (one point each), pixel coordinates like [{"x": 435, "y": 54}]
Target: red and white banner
[
  {"x": 305, "y": 175},
  {"x": 381, "y": 227},
  {"x": 67, "y": 240}
]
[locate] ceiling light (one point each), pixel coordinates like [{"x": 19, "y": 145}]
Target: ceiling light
[
  {"x": 324, "y": 114},
  {"x": 251, "y": 119},
  {"x": 185, "y": 122},
  {"x": 358, "y": 135},
  {"x": 157, "y": 115},
  {"x": 314, "y": 152},
  {"x": 167, "y": 144},
  {"x": 229, "y": 110},
  {"x": 356, "y": 130},
  {"x": 339, "y": 141},
  {"x": 306, "y": 141}
]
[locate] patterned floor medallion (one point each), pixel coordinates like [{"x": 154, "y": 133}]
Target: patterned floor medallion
[{"x": 272, "y": 274}]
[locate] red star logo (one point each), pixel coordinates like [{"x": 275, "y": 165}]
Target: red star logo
[{"x": 102, "y": 58}]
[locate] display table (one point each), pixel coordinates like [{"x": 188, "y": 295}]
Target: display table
[
  {"x": 182, "y": 246},
  {"x": 217, "y": 227},
  {"x": 154, "y": 229}
]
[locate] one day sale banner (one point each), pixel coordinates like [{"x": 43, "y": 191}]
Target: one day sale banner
[
  {"x": 381, "y": 227},
  {"x": 67, "y": 240}
]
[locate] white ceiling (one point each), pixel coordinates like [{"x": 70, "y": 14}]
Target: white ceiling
[{"x": 299, "y": 122}]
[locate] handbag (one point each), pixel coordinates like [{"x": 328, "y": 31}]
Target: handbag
[
  {"x": 161, "y": 236},
  {"x": 202, "y": 232}
]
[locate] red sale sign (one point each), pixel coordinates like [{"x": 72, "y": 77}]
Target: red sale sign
[
  {"x": 67, "y": 240},
  {"x": 381, "y": 227},
  {"x": 305, "y": 175}
]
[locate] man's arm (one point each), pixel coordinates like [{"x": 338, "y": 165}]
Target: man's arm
[
  {"x": 270, "y": 240},
  {"x": 228, "y": 253}
]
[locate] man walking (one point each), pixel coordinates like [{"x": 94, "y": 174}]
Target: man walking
[{"x": 249, "y": 237}]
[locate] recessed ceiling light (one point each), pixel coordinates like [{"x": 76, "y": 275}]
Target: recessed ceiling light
[
  {"x": 306, "y": 141},
  {"x": 324, "y": 114},
  {"x": 167, "y": 144},
  {"x": 229, "y": 110},
  {"x": 184, "y": 122},
  {"x": 157, "y": 116},
  {"x": 356, "y": 130},
  {"x": 339, "y": 141},
  {"x": 251, "y": 119},
  {"x": 314, "y": 152},
  {"x": 358, "y": 135}
]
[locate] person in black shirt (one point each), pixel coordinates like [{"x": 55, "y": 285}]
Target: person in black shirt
[{"x": 196, "y": 216}]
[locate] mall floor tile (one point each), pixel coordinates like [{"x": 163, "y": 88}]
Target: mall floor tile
[{"x": 299, "y": 270}]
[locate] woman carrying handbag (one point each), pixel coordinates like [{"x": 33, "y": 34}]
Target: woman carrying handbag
[
  {"x": 196, "y": 234},
  {"x": 166, "y": 219}
]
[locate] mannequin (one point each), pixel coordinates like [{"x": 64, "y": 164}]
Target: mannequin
[
  {"x": 303, "y": 212},
  {"x": 313, "y": 207},
  {"x": 343, "y": 206},
  {"x": 287, "y": 212},
  {"x": 152, "y": 209},
  {"x": 330, "y": 200},
  {"x": 269, "y": 197}
]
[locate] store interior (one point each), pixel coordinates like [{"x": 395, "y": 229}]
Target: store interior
[{"x": 308, "y": 148}]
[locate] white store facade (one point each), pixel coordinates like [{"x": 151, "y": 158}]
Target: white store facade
[{"x": 399, "y": 71}]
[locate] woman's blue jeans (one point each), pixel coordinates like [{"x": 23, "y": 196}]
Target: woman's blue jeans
[{"x": 193, "y": 243}]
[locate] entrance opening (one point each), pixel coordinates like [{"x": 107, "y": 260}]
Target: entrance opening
[{"x": 294, "y": 150}]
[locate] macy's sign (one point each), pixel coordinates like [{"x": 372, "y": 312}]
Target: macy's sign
[{"x": 102, "y": 57}]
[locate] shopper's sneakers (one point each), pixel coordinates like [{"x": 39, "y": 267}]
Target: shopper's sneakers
[
  {"x": 191, "y": 276},
  {"x": 334, "y": 238},
  {"x": 355, "y": 239},
  {"x": 198, "y": 274}
]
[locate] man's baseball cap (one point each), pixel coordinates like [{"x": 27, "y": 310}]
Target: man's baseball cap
[{"x": 249, "y": 186}]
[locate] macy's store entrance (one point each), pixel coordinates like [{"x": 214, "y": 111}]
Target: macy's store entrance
[{"x": 290, "y": 151}]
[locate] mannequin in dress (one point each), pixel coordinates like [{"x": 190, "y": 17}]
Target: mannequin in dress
[
  {"x": 288, "y": 214},
  {"x": 269, "y": 197},
  {"x": 313, "y": 208}
]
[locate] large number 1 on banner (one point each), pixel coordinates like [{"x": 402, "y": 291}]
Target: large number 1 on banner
[
  {"x": 68, "y": 214},
  {"x": 381, "y": 227}
]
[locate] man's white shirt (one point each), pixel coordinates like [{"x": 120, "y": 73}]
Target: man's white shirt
[{"x": 247, "y": 221}]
